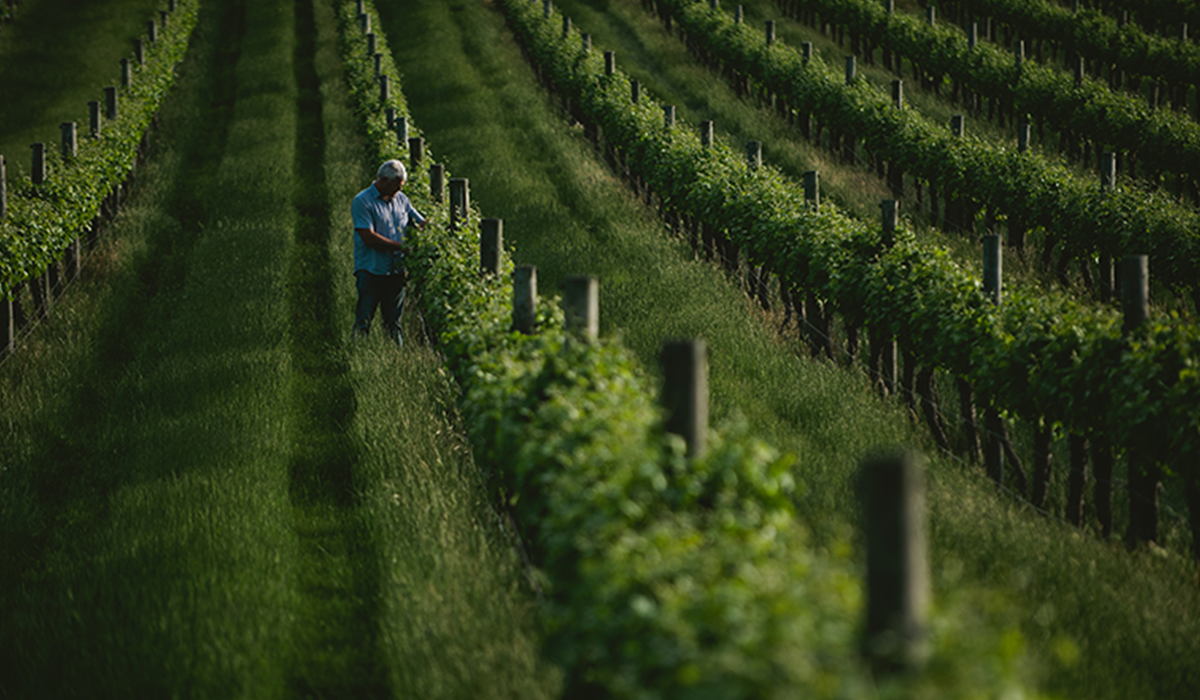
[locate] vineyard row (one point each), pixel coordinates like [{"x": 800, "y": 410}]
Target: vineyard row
[
  {"x": 1043, "y": 357},
  {"x": 69, "y": 193}
]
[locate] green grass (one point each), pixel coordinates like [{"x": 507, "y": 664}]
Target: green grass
[
  {"x": 54, "y": 58},
  {"x": 479, "y": 105},
  {"x": 205, "y": 490}
]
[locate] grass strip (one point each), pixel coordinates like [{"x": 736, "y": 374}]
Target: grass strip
[{"x": 977, "y": 538}]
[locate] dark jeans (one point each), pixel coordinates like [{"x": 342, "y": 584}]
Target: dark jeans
[{"x": 386, "y": 292}]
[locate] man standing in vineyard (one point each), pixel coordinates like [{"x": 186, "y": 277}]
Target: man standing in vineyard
[{"x": 381, "y": 214}]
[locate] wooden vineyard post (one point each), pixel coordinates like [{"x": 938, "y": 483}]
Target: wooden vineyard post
[
  {"x": 378, "y": 62},
  {"x": 70, "y": 143},
  {"x": 812, "y": 189},
  {"x": 110, "y": 102},
  {"x": 882, "y": 362},
  {"x": 491, "y": 246},
  {"x": 384, "y": 89},
  {"x": 525, "y": 299},
  {"x": 39, "y": 287},
  {"x": 566, "y": 27},
  {"x": 94, "y": 118},
  {"x": 806, "y": 49},
  {"x": 152, "y": 31},
  {"x": 547, "y": 8},
  {"x": 610, "y": 62},
  {"x": 416, "y": 152},
  {"x": 437, "y": 180},
  {"x": 364, "y": 22},
  {"x": 1145, "y": 474},
  {"x": 126, "y": 74},
  {"x": 993, "y": 266},
  {"x": 3, "y": 189},
  {"x": 1023, "y": 136},
  {"x": 669, "y": 116},
  {"x": 139, "y": 52},
  {"x": 738, "y": 15},
  {"x": 460, "y": 202},
  {"x": 1108, "y": 183},
  {"x": 993, "y": 455},
  {"x": 754, "y": 154},
  {"x": 898, "y": 588},
  {"x": 581, "y": 304},
  {"x": 770, "y": 32},
  {"x": 37, "y": 173},
  {"x": 685, "y": 392},
  {"x": 371, "y": 44},
  {"x": 706, "y": 133},
  {"x": 401, "y": 127},
  {"x": 635, "y": 90},
  {"x": 957, "y": 126}
]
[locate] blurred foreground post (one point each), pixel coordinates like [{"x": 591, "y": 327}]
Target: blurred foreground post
[{"x": 685, "y": 392}]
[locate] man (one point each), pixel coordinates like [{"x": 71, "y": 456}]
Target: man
[{"x": 381, "y": 214}]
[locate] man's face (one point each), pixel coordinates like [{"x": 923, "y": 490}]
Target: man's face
[{"x": 388, "y": 188}]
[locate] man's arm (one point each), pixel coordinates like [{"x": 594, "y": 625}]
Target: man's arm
[{"x": 378, "y": 242}]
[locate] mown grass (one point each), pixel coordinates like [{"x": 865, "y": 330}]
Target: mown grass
[
  {"x": 56, "y": 56},
  {"x": 204, "y": 489},
  {"x": 481, "y": 108}
]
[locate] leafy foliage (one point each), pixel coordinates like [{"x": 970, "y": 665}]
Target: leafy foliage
[
  {"x": 43, "y": 219},
  {"x": 663, "y": 576}
]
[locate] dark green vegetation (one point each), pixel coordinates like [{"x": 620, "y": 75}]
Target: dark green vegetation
[
  {"x": 204, "y": 489},
  {"x": 207, "y": 492},
  {"x": 56, "y": 56},
  {"x": 976, "y": 537}
]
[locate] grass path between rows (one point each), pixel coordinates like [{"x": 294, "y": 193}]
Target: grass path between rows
[
  {"x": 205, "y": 490},
  {"x": 1107, "y": 624}
]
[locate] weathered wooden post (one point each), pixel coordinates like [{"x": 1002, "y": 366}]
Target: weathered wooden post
[
  {"x": 364, "y": 23},
  {"x": 1080, "y": 70},
  {"x": 930, "y": 15},
  {"x": 70, "y": 142},
  {"x": 993, "y": 422},
  {"x": 685, "y": 392},
  {"x": 898, "y": 93},
  {"x": 992, "y": 268},
  {"x": 126, "y": 73},
  {"x": 460, "y": 201},
  {"x": 1023, "y": 137},
  {"x": 110, "y": 102},
  {"x": 139, "y": 52},
  {"x": 635, "y": 90},
  {"x": 738, "y": 15},
  {"x": 851, "y": 69},
  {"x": 610, "y": 62},
  {"x": 812, "y": 189},
  {"x": 372, "y": 46},
  {"x": 714, "y": 4},
  {"x": 525, "y": 299},
  {"x": 39, "y": 287},
  {"x": 3, "y": 189},
  {"x": 1019, "y": 53},
  {"x": 669, "y": 116},
  {"x": 401, "y": 126},
  {"x": 491, "y": 244},
  {"x": 806, "y": 51},
  {"x": 706, "y": 133},
  {"x": 770, "y": 32},
  {"x": 359, "y": 7},
  {"x": 1108, "y": 183},
  {"x": 957, "y": 126},
  {"x": 1145, "y": 474},
  {"x": 152, "y": 31},
  {"x": 162, "y": 18},
  {"x": 585, "y": 40},
  {"x": 581, "y": 306},
  {"x": 37, "y": 173},
  {"x": 754, "y": 154},
  {"x": 94, "y": 117},
  {"x": 377, "y": 58},
  {"x": 547, "y": 9},
  {"x": 437, "y": 181},
  {"x": 973, "y": 36},
  {"x": 384, "y": 89},
  {"x": 882, "y": 362},
  {"x": 416, "y": 151},
  {"x": 898, "y": 588},
  {"x": 566, "y": 27}
]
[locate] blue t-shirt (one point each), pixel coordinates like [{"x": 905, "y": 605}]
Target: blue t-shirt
[{"x": 388, "y": 219}]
